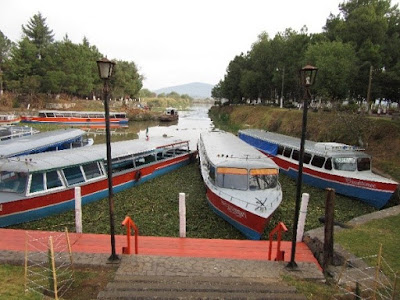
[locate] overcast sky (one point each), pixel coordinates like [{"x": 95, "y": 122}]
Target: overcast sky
[{"x": 172, "y": 42}]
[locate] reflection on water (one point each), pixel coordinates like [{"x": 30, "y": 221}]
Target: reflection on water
[{"x": 191, "y": 122}]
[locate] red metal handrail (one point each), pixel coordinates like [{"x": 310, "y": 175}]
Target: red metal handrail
[
  {"x": 130, "y": 224},
  {"x": 280, "y": 255}
]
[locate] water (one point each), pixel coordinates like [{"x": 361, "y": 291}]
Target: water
[{"x": 189, "y": 126}]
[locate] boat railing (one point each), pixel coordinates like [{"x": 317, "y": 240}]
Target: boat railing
[
  {"x": 130, "y": 225},
  {"x": 262, "y": 207},
  {"x": 280, "y": 255}
]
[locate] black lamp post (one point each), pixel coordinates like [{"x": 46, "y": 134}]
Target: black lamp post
[
  {"x": 105, "y": 72},
  {"x": 307, "y": 79}
]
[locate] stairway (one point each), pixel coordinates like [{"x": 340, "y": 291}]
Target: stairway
[{"x": 159, "y": 277}]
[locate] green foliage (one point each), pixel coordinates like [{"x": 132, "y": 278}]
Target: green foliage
[{"x": 37, "y": 64}]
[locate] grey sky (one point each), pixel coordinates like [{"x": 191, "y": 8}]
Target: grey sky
[{"x": 172, "y": 41}]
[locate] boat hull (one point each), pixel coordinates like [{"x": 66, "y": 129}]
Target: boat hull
[
  {"x": 34, "y": 208},
  {"x": 374, "y": 193},
  {"x": 250, "y": 225},
  {"x": 68, "y": 120}
]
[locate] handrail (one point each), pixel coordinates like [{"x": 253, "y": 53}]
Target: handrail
[
  {"x": 280, "y": 255},
  {"x": 129, "y": 223}
]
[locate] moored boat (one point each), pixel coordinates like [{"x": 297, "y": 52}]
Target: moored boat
[
  {"x": 9, "y": 132},
  {"x": 242, "y": 184},
  {"x": 170, "y": 114},
  {"x": 8, "y": 119},
  {"x": 38, "y": 185},
  {"x": 75, "y": 117},
  {"x": 45, "y": 141},
  {"x": 339, "y": 166}
]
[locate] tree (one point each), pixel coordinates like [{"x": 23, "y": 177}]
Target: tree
[
  {"x": 5, "y": 47},
  {"x": 337, "y": 62},
  {"x": 38, "y": 32}
]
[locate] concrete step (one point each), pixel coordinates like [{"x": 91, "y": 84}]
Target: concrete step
[{"x": 173, "y": 287}]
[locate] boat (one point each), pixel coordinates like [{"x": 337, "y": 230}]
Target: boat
[
  {"x": 8, "y": 119},
  {"x": 38, "y": 185},
  {"x": 45, "y": 141},
  {"x": 74, "y": 117},
  {"x": 170, "y": 114},
  {"x": 9, "y": 132},
  {"x": 345, "y": 168},
  {"x": 242, "y": 184}
]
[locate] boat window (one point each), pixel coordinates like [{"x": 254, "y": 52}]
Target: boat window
[
  {"x": 345, "y": 163},
  {"x": 232, "y": 178},
  {"x": 363, "y": 164},
  {"x": 318, "y": 161},
  {"x": 328, "y": 164},
  {"x": 50, "y": 115},
  {"x": 67, "y": 115},
  {"x": 14, "y": 182},
  {"x": 211, "y": 173},
  {"x": 42, "y": 115},
  {"x": 295, "y": 154},
  {"x": 59, "y": 115},
  {"x": 307, "y": 158},
  {"x": 73, "y": 175},
  {"x": 92, "y": 170},
  {"x": 53, "y": 180},
  {"x": 261, "y": 179},
  {"x": 287, "y": 151},
  {"x": 280, "y": 149},
  {"x": 37, "y": 183}
]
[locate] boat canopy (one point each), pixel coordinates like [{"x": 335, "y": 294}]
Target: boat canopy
[
  {"x": 78, "y": 156},
  {"x": 44, "y": 141}
]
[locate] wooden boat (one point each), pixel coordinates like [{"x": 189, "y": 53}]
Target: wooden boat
[
  {"x": 45, "y": 141},
  {"x": 170, "y": 114},
  {"x": 242, "y": 184},
  {"x": 38, "y": 185},
  {"x": 9, "y": 132},
  {"x": 75, "y": 117},
  {"x": 8, "y": 119},
  {"x": 342, "y": 167}
]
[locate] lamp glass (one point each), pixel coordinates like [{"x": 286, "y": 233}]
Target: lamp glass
[
  {"x": 105, "y": 68},
  {"x": 307, "y": 75}
]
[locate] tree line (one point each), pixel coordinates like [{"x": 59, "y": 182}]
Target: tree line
[
  {"x": 39, "y": 64},
  {"x": 357, "y": 54}
]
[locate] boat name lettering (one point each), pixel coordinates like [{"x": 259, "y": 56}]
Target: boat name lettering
[
  {"x": 233, "y": 210},
  {"x": 360, "y": 183}
]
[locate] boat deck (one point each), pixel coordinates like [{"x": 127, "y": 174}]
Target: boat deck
[{"x": 14, "y": 240}]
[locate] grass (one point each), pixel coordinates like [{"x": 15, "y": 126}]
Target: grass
[{"x": 87, "y": 283}]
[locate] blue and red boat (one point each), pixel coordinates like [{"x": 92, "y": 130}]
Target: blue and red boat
[
  {"x": 35, "y": 186},
  {"x": 242, "y": 184},
  {"x": 345, "y": 168}
]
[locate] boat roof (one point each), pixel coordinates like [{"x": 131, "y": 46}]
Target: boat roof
[
  {"x": 224, "y": 148},
  {"x": 70, "y": 157},
  {"x": 13, "y": 147},
  {"x": 332, "y": 149}
]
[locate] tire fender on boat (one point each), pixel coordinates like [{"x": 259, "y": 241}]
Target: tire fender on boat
[{"x": 138, "y": 175}]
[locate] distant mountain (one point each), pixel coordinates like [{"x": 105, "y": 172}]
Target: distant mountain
[{"x": 195, "y": 90}]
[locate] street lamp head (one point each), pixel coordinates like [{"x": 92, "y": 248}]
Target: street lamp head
[
  {"x": 307, "y": 75},
  {"x": 106, "y": 68}
]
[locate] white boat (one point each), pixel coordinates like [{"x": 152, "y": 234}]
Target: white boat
[
  {"x": 35, "y": 186},
  {"x": 9, "y": 132},
  {"x": 45, "y": 141},
  {"x": 345, "y": 168},
  {"x": 242, "y": 184},
  {"x": 8, "y": 119}
]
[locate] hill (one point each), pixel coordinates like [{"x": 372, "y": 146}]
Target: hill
[{"x": 195, "y": 90}]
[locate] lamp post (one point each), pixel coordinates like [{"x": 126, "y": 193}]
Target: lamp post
[
  {"x": 307, "y": 79},
  {"x": 106, "y": 68}
]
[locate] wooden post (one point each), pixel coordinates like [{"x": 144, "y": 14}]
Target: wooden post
[
  {"x": 377, "y": 271},
  {"x": 53, "y": 268},
  {"x": 26, "y": 262},
  {"x": 329, "y": 222},
  {"x": 78, "y": 210},
  {"x": 71, "y": 259},
  {"x": 182, "y": 215}
]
